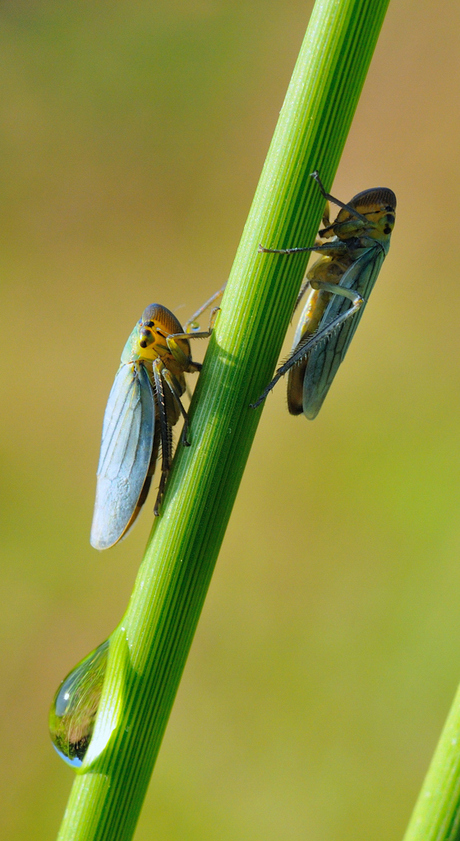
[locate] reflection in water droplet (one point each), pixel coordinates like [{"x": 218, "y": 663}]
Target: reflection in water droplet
[{"x": 74, "y": 708}]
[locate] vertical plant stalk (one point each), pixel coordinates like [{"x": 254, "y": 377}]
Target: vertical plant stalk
[
  {"x": 149, "y": 649},
  {"x": 436, "y": 816}
]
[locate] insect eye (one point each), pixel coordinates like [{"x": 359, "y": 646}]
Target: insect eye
[
  {"x": 145, "y": 336},
  {"x": 388, "y": 222}
]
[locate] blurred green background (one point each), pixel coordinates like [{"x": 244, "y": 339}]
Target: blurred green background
[{"x": 132, "y": 138}]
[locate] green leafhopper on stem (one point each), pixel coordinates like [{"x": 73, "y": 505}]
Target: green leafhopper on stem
[
  {"x": 143, "y": 406},
  {"x": 337, "y": 286}
]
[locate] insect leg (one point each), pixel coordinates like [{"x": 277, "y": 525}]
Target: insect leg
[
  {"x": 191, "y": 324},
  {"x": 285, "y": 250},
  {"x": 170, "y": 379},
  {"x": 339, "y": 203},
  {"x": 303, "y": 349},
  {"x": 305, "y": 286},
  {"x": 171, "y": 340},
  {"x": 204, "y": 334},
  {"x": 327, "y": 248},
  {"x": 184, "y": 361},
  {"x": 165, "y": 433},
  {"x": 329, "y": 227}
]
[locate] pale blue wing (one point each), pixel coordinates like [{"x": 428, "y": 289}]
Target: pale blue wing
[
  {"x": 325, "y": 359},
  {"x": 126, "y": 449}
]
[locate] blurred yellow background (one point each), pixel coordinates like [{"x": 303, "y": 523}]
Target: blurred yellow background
[{"x": 132, "y": 137}]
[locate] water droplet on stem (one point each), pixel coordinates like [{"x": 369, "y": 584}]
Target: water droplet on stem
[{"x": 75, "y": 704}]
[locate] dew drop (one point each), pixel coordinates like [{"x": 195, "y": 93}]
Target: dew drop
[{"x": 75, "y": 704}]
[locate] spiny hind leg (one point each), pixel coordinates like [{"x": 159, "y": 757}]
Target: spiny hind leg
[
  {"x": 303, "y": 349},
  {"x": 165, "y": 432},
  {"x": 172, "y": 385}
]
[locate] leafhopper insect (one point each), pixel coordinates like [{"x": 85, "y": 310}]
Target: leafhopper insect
[
  {"x": 337, "y": 286},
  {"x": 143, "y": 406}
]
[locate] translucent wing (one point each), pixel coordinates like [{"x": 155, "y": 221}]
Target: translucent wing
[
  {"x": 126, "y": 449},
  {"x": 325, "y": 359}
]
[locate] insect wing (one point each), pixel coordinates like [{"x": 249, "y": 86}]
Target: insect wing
[
  {"x": 126, "y": 449},
  {"x": 325, "y": 359}
]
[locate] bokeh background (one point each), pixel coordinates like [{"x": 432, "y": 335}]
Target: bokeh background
[{"x": 132, "y": 137}]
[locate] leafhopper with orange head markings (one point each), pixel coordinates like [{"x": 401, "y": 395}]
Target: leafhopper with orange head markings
[{"x": 143, "y": 406}]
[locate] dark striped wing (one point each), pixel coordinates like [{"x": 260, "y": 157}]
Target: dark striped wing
[
  {"x": 326, "y": 358},
  {"x": 126, "y": 449}
]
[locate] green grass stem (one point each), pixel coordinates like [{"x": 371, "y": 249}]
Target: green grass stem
[
  {"x": 436, "y": 816},
  {"x": 148, "y": 650}
]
